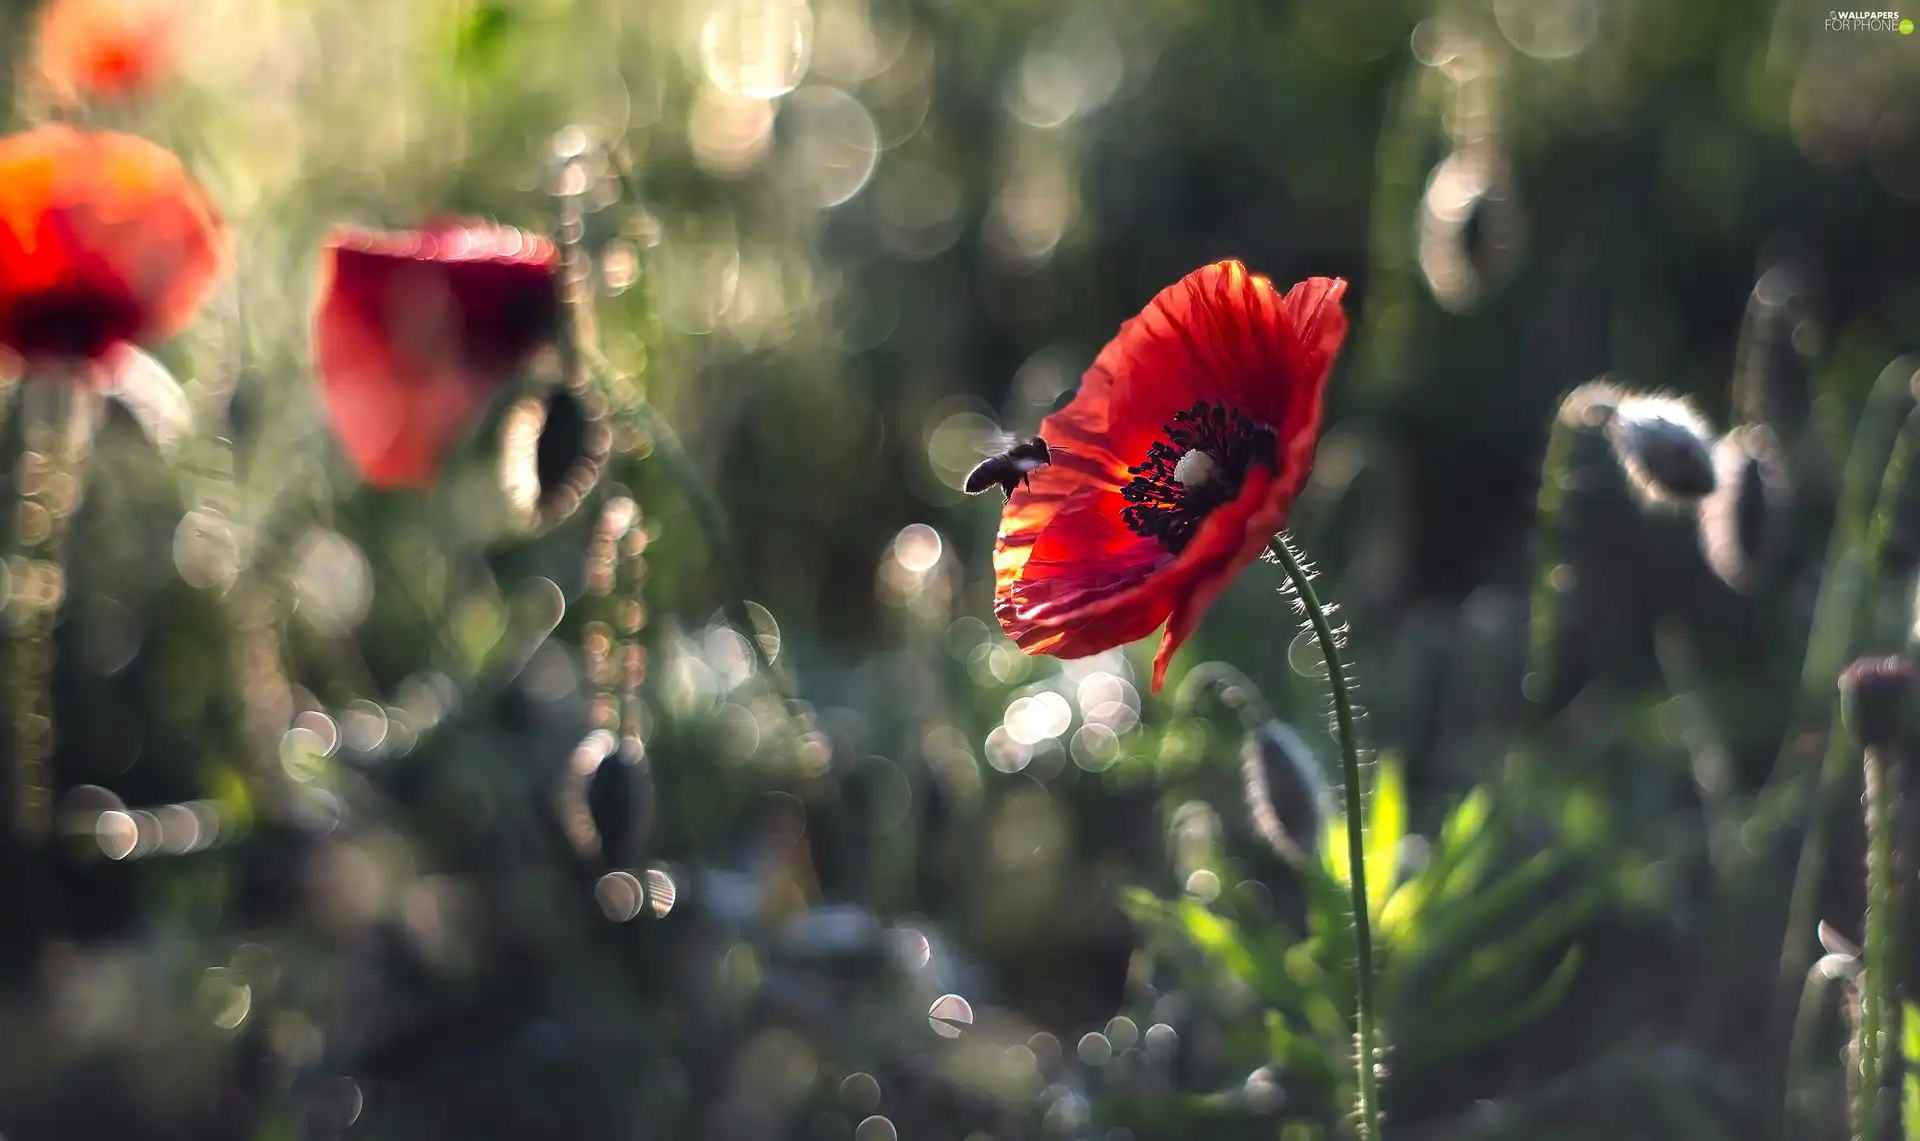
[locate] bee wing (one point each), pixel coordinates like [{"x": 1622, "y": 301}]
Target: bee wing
[{"x": 994, "y": 442}]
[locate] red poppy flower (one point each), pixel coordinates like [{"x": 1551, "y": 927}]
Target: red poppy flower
[
  {"x": 105, "y": 239},
  {"x": 1177, "y": 461},
  {"x": 419, "y": 332},
  {"x": 111, "y": 49}
]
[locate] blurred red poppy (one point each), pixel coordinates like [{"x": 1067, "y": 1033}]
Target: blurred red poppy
[
  {"x": 419, "y": 332},
  {"x": 105, "y": 239},
  {"x": 107, "y": 49},
  {"x": 1175, "y": 463}
]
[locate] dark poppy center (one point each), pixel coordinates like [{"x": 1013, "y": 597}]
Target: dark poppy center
[
  {"x": 1199, "y": 466},
  {"x": 70, "y": 321}
]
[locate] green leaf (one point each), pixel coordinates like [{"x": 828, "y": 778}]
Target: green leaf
[
  {"x": 1467, "y": 926},
  {"x": 478, "y": 623},
  {"x": 1481, "y": 1031},
  {"x": 1465, "y": 847},
  {"x": 1910, "y": 1084},
  {"x": 1297, "y": 1055},
  {"x": 1400, "y": 918},
  {"x": 1218, "y": 938},
  {"x": 483, "y": 36},
  {"x": 1467, "y": 820},
  {"x": 1386, "y": 827}
]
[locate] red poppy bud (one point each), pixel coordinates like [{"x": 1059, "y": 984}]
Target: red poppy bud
[{"x": 419, "y": 332}]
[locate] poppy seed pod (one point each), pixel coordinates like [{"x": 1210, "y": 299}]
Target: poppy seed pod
[
  {"x": 1743, "y": 521},
  {"x": 1874, "y": 697},
  {"x": 1288, "y": 797},
  {"x": 1664, "y": 447}
]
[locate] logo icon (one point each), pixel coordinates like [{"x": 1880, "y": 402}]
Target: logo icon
[{"x": 1906, "y": 27}]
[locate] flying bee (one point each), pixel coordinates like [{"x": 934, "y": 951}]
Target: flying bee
[{"x": 1010, "y": 467}]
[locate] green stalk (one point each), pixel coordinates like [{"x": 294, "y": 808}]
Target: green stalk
[
  {"x": 1795, "y": 952},
  {"x": 1843, "y": 579},
  {"x": 1400, "y": 164},
  {"x": 711, "y": 518},
  {"x": 1879, "y": 941},
  {"x": 1367, "y": 1100},
  {"x": 1536, "y": 683},
  {"x": 1862, "y": 521},
  {"x": 708, "y": 514},
  {"x": 54, "y": 445}
]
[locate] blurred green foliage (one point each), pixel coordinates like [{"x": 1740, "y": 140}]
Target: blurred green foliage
[{"x": 1472, "y": 947}]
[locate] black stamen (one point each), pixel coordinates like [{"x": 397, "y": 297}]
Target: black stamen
[{"x": 1165, "y": 509}]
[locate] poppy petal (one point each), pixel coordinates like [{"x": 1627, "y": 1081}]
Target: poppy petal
[
  {"x": 104, "y": 239},
  {"x": 1232, "y": 537}
]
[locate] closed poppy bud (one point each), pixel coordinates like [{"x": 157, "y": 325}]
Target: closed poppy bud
[
  {"x": 1664, "y": 447},
  {"x": 553, "y": 450},
  {"x": 619, "y": 799},
  {"x": 1743, "y": 521},
  {"x": 418, "y": 333},
  {"x": 1288, "y": 797},
  {"x": 1875, "y": 694},
  {"x": 105, "y": 240}
]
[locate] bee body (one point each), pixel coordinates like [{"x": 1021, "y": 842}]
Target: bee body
[{"x": 1010, "y": 468}]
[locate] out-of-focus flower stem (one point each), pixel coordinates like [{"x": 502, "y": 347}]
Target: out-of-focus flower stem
[
  {"x": 582, "y": 353},
  {"x": 55, "y": 417},
  {"x": 1882, "y": 787},
  {"x": 1843, "y": 579},
  {"x": 1536, "y": 682},
  {"x": 712, "y": 519},
  {"x": 1400, "y": 167},
  {"x": 1367, "y": 1100},
  {"x": 1861, "y": 562}
]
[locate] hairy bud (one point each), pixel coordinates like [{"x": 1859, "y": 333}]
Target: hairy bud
[
  {"x": 1664, "y": 447},
  {"x": 1874, "y": 697},
  {"x": 1592, "y": 404},
  {"x": 1743, "y": 521},
  {"x": 1288, "y": 797}
]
